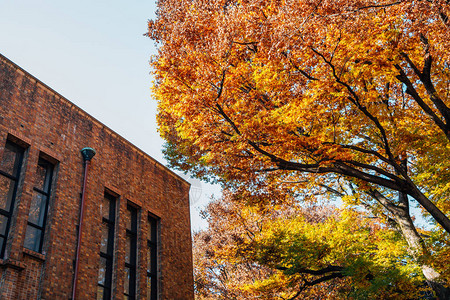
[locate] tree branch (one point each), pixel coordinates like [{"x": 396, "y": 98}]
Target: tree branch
[
  {"x": 355, "y": 100},
  {"x": 373, "y": 168},
  {"x": 366, "y": 151},
  {"x": 297, "y": 68},
  {"x": 317, "y": 281},
  {"x": 410, "y": 90},
  {"x": 425, "y": 77}
]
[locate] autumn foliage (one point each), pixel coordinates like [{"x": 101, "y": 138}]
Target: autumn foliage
[
  {"x": 346, "y": 99},
  {"x": 289, "y": 251}
]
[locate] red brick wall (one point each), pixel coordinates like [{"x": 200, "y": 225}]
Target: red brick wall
[{"x": 47, "y": 124}]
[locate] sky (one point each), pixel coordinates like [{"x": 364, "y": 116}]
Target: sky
[{"x": 95, "y": 54}]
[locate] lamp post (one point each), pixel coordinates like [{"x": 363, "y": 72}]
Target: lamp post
[{"x": 88, "y": 153}]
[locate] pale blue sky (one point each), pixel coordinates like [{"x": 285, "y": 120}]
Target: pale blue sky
[{"x": 94, "y": 54}]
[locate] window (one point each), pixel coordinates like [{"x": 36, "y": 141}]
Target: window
[
  {"x": 10, "y": 164},
  {"x": 37, "y": 216},
  {"x": 130, "y": 253},
  {"x": 107, "y": 248},
  {"x": 152, "y": 259}
]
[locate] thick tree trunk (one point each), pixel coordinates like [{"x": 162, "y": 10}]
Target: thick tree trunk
[
  {"x": 416, "y": 245},
  {"x": 419, "y": 252}
]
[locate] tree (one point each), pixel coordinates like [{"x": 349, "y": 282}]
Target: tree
[
  {"x": 288, "y": 251},
  {"x": 348, "y": 97}
]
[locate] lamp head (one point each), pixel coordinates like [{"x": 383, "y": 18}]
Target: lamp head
[{"x": 88, "y": 153}]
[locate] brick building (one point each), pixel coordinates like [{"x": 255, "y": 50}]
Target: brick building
[{"x": 135, "y": 241}]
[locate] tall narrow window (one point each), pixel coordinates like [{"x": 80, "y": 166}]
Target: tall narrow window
[
  {"x": 152, "y": 259},
  {"x": 106, "y": 248},
  {"x": 39, "y": 205},
  {"x": 10, "y": 164},
  {"x": 130, "y": 254}
]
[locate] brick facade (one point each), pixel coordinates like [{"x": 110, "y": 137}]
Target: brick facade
[{"x": 48, "y": 126}]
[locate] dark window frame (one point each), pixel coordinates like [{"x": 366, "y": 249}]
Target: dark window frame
[
  {"x": 50, "y": 169},
  {"x": 110, "y": 222},
  {"x": 15, "y": 178},
  {"x": 132, "y": 233},
  {"x": 152, "y": 246}
]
